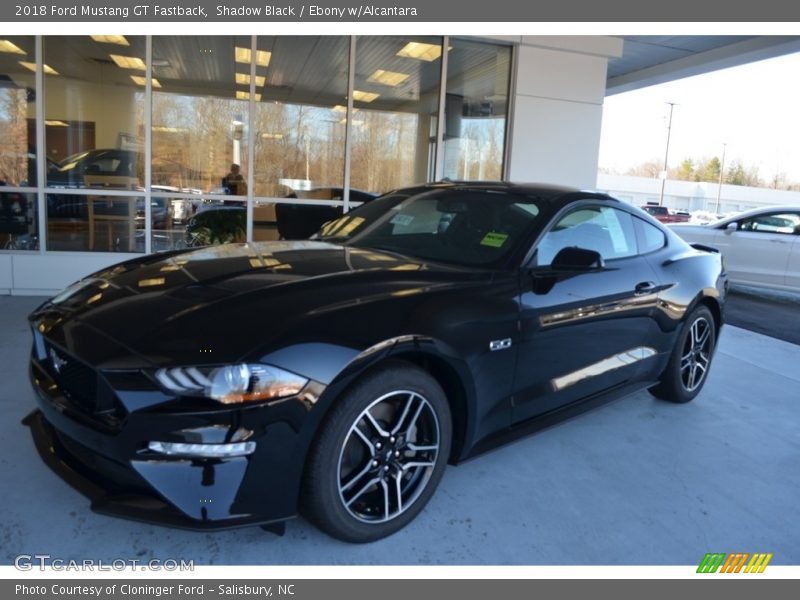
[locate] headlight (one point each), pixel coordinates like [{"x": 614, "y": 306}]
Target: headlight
[{"x": 232, "y": 384}]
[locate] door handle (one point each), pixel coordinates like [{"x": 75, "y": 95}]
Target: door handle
[{"x": 645, "y": 287}]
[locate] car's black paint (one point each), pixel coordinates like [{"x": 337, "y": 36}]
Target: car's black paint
[{"x": 329, "y": 312}]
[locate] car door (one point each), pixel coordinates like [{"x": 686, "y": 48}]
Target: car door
[
  {"x": 758, "y": 250},
  {"x": 586, "y": 333},
  {"x": 793, "y": 266}
]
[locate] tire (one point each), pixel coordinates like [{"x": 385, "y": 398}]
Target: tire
[
  {"x": 687, "y": 370},
  {"x": 379, "y": 455}
]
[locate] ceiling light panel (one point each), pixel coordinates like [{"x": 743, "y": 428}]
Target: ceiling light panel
[
  {"x": 364, "y": 96},
  {"x": 10, "y": 47},
  {"x": 390, "y": 78},
  {"x": 242, "y": 55},
  {"x": 128, "y": 62},
  {"x": 244, "y": 79},
  {"x": 421, "y": 51},
  {"x": 119, "y": 40}
]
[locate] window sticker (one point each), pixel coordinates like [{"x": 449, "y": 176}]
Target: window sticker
[
  {"x": 494, "y": 239},
  {"x": 402, "y": 220},
  {"x": 615, "y": 230}
]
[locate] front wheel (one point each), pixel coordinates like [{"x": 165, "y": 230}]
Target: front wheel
[
  {"x": 379, "y": 455},
  {"x": 687, "y": 370}
]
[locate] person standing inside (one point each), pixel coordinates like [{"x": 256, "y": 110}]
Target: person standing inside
[{"x": 234, "y": 182}]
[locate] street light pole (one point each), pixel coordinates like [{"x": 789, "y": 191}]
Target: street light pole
[
  {"x": 721, "y": 171},
  {"x": 666, "y": 155}
]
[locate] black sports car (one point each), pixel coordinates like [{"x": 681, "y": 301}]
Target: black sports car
[{"x": 336, "y": 377}]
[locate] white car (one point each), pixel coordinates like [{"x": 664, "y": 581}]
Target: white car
[
  {"x": 703, "y": 217},
  {"x": 761, "y": 246}
]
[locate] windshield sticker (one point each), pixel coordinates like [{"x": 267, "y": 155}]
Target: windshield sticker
[
  {"x": 402, "y": 220},
  {"x": 494, "y": 240}
]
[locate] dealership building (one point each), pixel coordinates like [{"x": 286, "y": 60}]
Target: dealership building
[{"x": 111, "y": 144}]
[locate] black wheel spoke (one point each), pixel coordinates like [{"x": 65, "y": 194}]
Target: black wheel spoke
[
  {"x": 357, "y": 477},
  {"x": 367, "y": 442},
  {"x": 374, "y": 424},
  {"x": 362, "y": 490}
]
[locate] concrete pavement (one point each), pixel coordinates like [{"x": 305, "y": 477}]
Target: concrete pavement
[{"x": 636, "y": 482}]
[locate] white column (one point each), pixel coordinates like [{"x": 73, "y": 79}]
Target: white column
[{"x": 558, "y": 108}]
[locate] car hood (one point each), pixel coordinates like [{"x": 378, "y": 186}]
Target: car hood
[{"x": 223, "y": 303}]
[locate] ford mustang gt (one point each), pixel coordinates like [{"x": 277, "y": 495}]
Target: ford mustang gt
[{"x": 337, "y": 377}]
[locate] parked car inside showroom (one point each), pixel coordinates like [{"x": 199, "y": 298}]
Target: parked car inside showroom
[
  {"x": 102, "y": 169},
  {"x": 761, "y": 246},
  {"x": 337, "y": 377}
]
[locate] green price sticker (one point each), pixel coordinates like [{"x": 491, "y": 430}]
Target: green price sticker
[{"x": 494, "y": 240}]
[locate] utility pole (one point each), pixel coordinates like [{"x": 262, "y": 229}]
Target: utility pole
[
  {"x": 721, "y": 171},
  {"x": 666, "y": 155}
]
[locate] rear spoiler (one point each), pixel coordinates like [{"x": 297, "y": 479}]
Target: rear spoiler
[{"x": 704, "y": 248}]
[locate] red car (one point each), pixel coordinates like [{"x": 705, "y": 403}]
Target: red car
[{"x": 662, "y": 214}]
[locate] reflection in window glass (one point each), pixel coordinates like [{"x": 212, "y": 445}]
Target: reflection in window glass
[
  {"x": 94, "y": 132},
  {"x": 476, "y": 105},
  {"x": 199, "y": 134},
  {"x": 18, "y": 222},
  {"x": 652, "y": 238},
  {"x": 200, "y": 113},
  {"x": 299, "y": 137},
  {"x": 108, "y": 223},
  {"x": 605, "y": 230},
  {"x": 396, "y": 103},
  {"x": 300, "y": 116}
]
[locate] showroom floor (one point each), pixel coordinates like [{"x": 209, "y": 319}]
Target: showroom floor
[{"x": 636, "y": 482}]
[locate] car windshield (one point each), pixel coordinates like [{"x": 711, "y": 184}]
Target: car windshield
[{"x": 463, "y": 227}]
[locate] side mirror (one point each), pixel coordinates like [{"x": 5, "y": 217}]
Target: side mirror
[
  {"x": 731, "y": 227},
  {"x": 577, "y": 259}
]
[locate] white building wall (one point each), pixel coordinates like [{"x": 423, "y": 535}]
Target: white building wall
[
  {"x": 558, "y": 108},
  {"x": 691, "y": 195},
  {"x": 46, "y": 274}
]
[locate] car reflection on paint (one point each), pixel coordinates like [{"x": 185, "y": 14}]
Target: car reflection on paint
[{"x": 336, "y": 377}]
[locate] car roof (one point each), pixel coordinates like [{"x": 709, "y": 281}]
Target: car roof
[
  {"x": 762, "y": 210},
  {"x": 557, "y": 194}
]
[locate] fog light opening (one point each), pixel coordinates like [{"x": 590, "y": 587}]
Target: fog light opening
[{"x": 203, "y": 450}]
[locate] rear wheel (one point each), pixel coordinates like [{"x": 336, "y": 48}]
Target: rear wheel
[
  {"x": 379, "y": 456},
  {"x": 687, "y": 370}
]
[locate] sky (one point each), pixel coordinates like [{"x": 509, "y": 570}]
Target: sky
[{"x": 754, "y": 108}]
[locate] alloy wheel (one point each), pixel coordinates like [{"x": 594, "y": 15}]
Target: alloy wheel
[
  {"x": 388, "y": 456},
  {"x": 696, "y": 354}
]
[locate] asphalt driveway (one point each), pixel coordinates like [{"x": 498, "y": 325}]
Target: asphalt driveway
[{"x": 638, "y": 482}]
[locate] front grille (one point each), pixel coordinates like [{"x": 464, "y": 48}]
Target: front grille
[{"x": 78, "y": 382}]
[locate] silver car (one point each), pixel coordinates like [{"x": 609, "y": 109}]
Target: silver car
[{"x": 761, "y": 246}]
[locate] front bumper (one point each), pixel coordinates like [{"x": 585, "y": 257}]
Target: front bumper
[{"x": 108, "y": 461}]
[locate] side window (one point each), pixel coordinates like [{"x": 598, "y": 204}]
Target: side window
[
  {"x": 605, "y": 230},
  {"x": 788, "y": 223},
  {"x": 650, "y": 238}
]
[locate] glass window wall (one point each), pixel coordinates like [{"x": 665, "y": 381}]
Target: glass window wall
[
  {"x": 18, "y": 215},
  {"x": 94, "y": 140},
  {"x": 476, "y": 106},
  {"x": 239, "y": 126}
]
